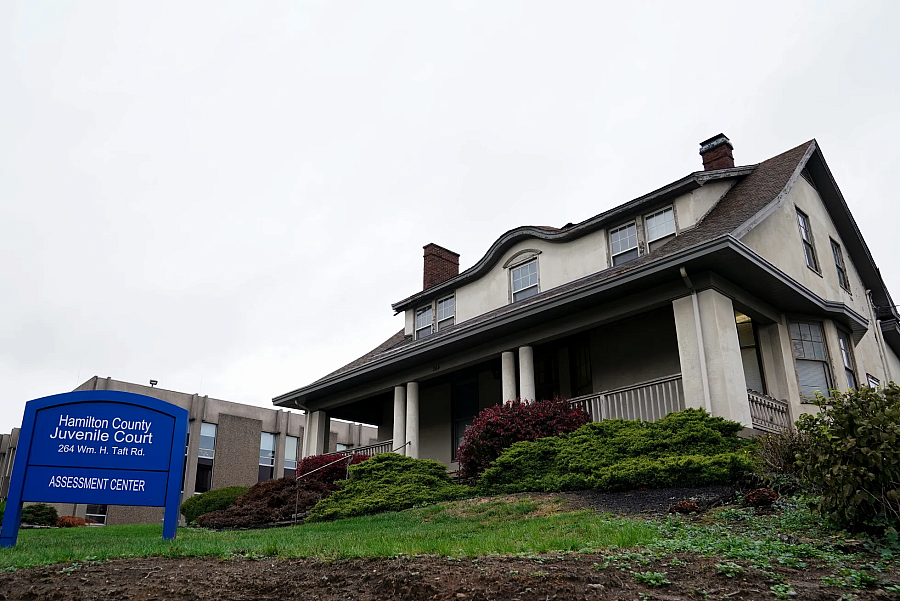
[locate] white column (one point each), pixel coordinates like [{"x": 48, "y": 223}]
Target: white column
[
  {"x": 399, "y": 418},
  {"x": 508, "y": 375},
  {"x": 412, "y": 419},
  {"x": 526, "y": 373},
  {"x": 315, "y": 436},
  {"x": 721, "y": 355}
]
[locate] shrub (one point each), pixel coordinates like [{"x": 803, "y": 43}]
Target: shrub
[
  {"x": 2, "y": 509},
  {"x": 688, "y": 448},
  {"x": 213, "y": 500},
  {"x": 776, "y": 460},
  {"x": 70, "y": 521},
  {"x": 330, "y": 474},
  {"x": 268, "y": 503},
  {"x": 853, "y": 457},
  {"x": 389, "y": 482},
  {"x": 39, "y": 514},
  {"x": 497, "y": 428}
]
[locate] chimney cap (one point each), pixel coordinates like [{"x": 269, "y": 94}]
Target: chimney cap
[{"x": 714, "y": 142}]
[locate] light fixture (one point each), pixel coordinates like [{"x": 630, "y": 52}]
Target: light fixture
[{"x": 153, "y": 383}]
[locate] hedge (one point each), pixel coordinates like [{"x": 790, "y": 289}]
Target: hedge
[
  {"x": 268, "y": 503},
  {"x": 213, "y": 500},
  {"x": 687, "y": 448}
]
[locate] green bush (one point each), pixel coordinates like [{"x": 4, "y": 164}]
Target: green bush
[
  {"x": 853, "y": 457},
  {"x": 775, "y": 456},
  {"x": 2, "y": 509},
  {"x": 388, "y": 482},
  {"x": 688, "y": 448},
  {"x": 39, "y": 514},
  {"x": 214, "y": 500}
]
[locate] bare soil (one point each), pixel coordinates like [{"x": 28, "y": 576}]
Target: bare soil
[{"x": 504, "y": 578}]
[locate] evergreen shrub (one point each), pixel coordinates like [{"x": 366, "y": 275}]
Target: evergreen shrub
[
  {"x": 213, "y": 500},
  {"x": 497, "y": 428},
  {"x": 853, "y": 457},
  {"x": 268, "y": 503},
  {"x": 389, "y": 482},
  {"x": 39, "y": 514},
  {"x": 330, "y": 474},
  {"x": 687, "y": 448}
]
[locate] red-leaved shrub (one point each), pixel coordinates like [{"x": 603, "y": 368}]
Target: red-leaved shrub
[
  {"x": 498, "y": 427},
  {"x": 70, "y": 521},
  {"x": 269, "y": 503},
  {"x": 331, "y": 474}
]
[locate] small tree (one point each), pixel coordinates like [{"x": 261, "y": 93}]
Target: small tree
[
  {"x": 853, "y": 457},
  {"x": 498, "y": 427},
  {"x": 39, "y": 514}
]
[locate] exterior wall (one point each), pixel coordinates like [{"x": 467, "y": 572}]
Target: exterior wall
[
  {"x": 893, "y": 363},
  {"x": 237, "y": 451},
  {"x": 434, "y": 423},
  {"x": 634, "y": 350},
  {"x": 690, "y": 208}
]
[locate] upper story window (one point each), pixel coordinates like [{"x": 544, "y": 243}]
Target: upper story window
[
  {"x": 809, "y": 250},
  {"x": 623, "y": 243},
  {"x": 847, "y": 358},
  {"x": 446, "y": 312},
  {"x": 424, "y": 322},
  {"x": 524, "y": 280},
  {"x": 808, "y": 342},
  {"x": 839, "y": 265},
  {"x": 660, "y": 224}
]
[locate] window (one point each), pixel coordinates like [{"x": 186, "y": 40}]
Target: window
[
  {"x": 266, "y": 456},
  {"x": 291, "y": 444},
  {"x": 525, "y": 280},
  {"x": 463, "y": 408},
  {"x": 808, "y": 342},
  {"x": 873, "y": 381},
  {"x": 750, "y": 357},
  {"x": 580, "y": 366},
  {"x": 660, "y": 224},
  {"x": 96, "y": 514},
  {"x": 424, "y": 322},
  {"x": 446, "y": 311},
  {"x": 847, "y": 358},
  {"x": 205, "y": 456},
  {"x": 839, "y": 265},
  {"x": 341, "y": 446},
  {"x": 806, "y": 234},
  {"x": 623, "y": 243}
]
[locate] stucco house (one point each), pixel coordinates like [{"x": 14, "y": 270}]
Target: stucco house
[{"x": 739, "y": 289}]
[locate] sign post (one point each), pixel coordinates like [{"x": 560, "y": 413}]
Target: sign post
[{"x": 100, "y": 447}]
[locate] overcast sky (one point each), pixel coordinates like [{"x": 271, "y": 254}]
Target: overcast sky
[{"x": 227, "y": 197}]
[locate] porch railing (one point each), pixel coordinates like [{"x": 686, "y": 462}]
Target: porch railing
[
  {"x": 649, "y": 400},
  {"x": 768, "y": 413},
  {"x": 384, "y": 446}
]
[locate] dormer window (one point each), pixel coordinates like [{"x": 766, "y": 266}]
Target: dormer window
[
  {"x": 660, "y": 225},
  {"x": 424, "y": 322},
  {"x": 623, "y": 243},
  {"x": 446, "y": 312},
  {"x": 524, "y": 280}
]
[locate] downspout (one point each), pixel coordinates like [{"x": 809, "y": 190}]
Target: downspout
[
  {"x": 703, "y": 374},
  {"x": 879, "y": 340}
]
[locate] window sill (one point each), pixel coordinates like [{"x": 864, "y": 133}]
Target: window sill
[{"x": 818, "y": 273}]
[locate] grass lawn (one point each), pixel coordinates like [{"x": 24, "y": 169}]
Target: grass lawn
[{"x": 457, "y": 529}]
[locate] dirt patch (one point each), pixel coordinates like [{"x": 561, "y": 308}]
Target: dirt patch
[{"x": 507, "y": 578}]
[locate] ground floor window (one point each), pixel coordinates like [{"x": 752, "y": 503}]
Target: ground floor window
[
  {"x": 580, "y": 366},
  {"x": 96, "y": 514},
  {"x": 266, "y": 456},
  {"x": 808, "y": 342},
  {"x": 291, "y": 444},
  {"x": 464, "y": 408},
  {"x": 750, "y": 357}
]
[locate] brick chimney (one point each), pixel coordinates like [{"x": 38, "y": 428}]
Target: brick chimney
[
  {"x": 716, "y": 153},
  {"x": 440, "y": 265}
]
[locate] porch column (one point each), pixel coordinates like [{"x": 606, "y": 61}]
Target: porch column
[
  {"x": 412, "y": 419},
  {"x": 315, "y": 435},
  {"x": 508, "y": 375},
  {"x": 526, "y": 373},
  {"x": 710, "y": 355},
  {"x": 399, "y": 418}
]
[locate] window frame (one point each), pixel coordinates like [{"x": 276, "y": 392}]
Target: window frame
[
  {"x": 840, "y": 266},
  {"x": 290, "y": 465},
  {"x": 826, "y": 361},
  {"x": 442, "y": 323},
  {"x": 845, "y": 344},
  {"x": 267, "y": 462},
  {"x": 647, "y": 216},
  {"x": 637, "y": 242},
  {"x": 89, "y": 515},
  {"x": 807, "y": 240},
  {"x": 430, "y": 327},
  {"x": 537, "y": 281},
  {"x": 870, "y": 380}
]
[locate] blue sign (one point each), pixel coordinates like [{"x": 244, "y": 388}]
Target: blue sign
[{"x": 99, "y": 447}]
